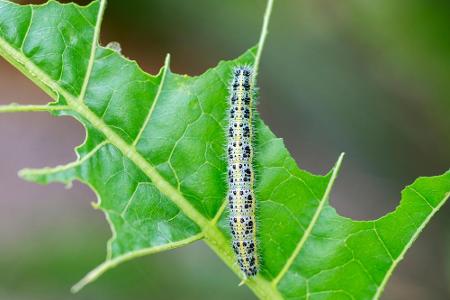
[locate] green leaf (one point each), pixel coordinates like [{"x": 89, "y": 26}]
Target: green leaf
[{"x": 154, "y": 156}]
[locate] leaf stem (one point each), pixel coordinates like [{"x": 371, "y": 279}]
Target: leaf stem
[{"x": 11, "y": 108}]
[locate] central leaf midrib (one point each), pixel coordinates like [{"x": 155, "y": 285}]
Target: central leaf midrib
[{"x": 213, "y": 236}]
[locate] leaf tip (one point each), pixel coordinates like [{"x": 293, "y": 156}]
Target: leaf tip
[
  {"x": 91, "y": 276},
  {"x": 102, "y": 4},
  {"x": 26, "y": 174},
  {"x": 95, "y": 205},
  {"x": 76, "y": 288},
  {"x": 338, "y": 164},
  {"x": 167, "y": 62},
  {"x": 32, "y": 175}
]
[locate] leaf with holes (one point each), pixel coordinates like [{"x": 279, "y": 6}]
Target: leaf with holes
[{"x": 154, "y": 154}]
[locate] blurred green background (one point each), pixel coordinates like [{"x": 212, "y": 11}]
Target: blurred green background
[{"x": 369, "y": 78}]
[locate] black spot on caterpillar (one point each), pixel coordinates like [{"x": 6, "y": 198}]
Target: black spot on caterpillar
[{"x": 240, "y": 171}]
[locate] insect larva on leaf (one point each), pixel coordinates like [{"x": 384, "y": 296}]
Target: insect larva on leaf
[{"x": 241, "y": 194}]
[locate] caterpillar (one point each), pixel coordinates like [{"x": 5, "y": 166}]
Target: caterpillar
[{"x": 240, "y": 170}]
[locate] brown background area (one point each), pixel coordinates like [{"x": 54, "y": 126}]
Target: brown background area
[{"x": 332, "y": 80}]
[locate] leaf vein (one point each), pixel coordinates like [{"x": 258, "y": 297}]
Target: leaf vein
[
  {"x": 95, "y": 43},
  {"x": 155, "y": 101},
  {"x": 310, "y": 227},
  {"x": 422, "y": 196}
]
